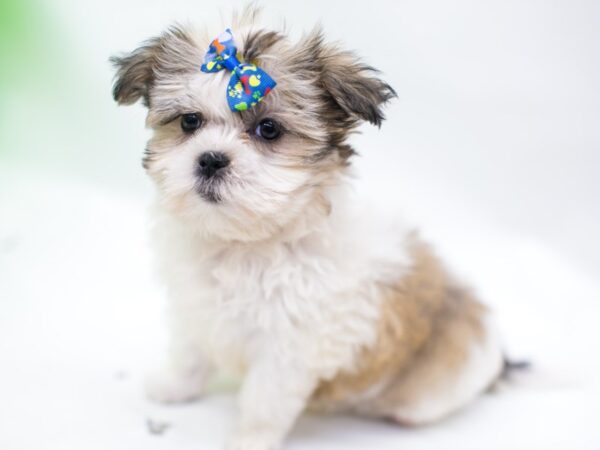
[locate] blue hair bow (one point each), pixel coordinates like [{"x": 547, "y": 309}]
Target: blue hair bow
[{"x": 248, "y": 84}]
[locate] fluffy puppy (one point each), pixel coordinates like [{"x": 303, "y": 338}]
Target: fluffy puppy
[{"x": 274, "y": 272}]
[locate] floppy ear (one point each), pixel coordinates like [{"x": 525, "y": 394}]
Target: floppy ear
[
  {"x": 135, "y": 73},
  {"x": 172, "y": 53},
  {"x": 353, "y": 85}
]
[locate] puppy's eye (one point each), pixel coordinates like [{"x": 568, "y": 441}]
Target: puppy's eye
[
  {"x": 268, "y": 129},
  {"x": 191, "y": 122}
]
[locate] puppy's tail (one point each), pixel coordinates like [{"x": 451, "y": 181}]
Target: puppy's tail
[{"x": 512, "y": 366}]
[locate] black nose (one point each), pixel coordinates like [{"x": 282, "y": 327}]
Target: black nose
[{"x": 210, "y": 163}]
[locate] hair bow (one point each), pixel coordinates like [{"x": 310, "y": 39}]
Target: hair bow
[{"x": 248, "y": 84}]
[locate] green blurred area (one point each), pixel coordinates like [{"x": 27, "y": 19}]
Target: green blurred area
[
  {"x": 56, "y": 111},
  {"x": 36, "y": 72},
  {"x": 20, "y": 47},
  {"x": 21, "y": 29}
]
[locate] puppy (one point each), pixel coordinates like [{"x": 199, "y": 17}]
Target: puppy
[{"x": 273, "y": 269}]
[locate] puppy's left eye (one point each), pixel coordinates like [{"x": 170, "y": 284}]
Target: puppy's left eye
[
  {"x": 268, "y": 129},
  {"x": 191, "y": 122}
]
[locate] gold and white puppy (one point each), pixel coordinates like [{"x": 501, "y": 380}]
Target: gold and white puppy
[{"x": 274, "y": 271}]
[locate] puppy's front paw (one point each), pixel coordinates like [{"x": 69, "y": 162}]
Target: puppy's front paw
[{"x": 169, "y": 386}]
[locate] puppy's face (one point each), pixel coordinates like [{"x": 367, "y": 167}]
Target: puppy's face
[{"x": 248, "y": 175}]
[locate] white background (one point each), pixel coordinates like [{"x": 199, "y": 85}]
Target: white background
[{"x": 492, "y": 149}]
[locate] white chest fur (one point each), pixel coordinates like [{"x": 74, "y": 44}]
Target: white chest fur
[{"x": 313, "y": 297}]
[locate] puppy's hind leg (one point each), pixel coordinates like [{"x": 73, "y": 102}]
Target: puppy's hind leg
[{"x": 442, "y": 383}]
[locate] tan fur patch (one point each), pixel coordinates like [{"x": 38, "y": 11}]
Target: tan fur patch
[{"x": 427, "y": 325}]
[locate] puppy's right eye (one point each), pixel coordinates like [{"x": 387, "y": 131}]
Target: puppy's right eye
[
  {"x": 191, "y": 122},
  {"x": 268, "y": 129}
]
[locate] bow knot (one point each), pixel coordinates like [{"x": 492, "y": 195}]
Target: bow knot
[{"x": 248, "y": 84}]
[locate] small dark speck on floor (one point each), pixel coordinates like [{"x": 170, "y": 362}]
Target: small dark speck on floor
[{"x": 157, "y": 427}]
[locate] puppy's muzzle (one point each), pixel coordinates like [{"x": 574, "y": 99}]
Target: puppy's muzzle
[{"x": 211, "y": 163}]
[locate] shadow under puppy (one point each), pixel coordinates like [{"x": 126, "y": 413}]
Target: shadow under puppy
[{"x": 273, "y": 269}]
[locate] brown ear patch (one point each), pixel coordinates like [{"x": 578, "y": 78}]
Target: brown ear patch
[
  {"x": 172, "y": 52},
  {"x": 259, "y": 42},
  {"x": 135, "y": 73},
  {"x": 353, "y": 90},
  {"x": 354, "y": 86}
]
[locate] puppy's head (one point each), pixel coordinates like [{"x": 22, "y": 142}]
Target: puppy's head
[{"x": 249, "y": 175}]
